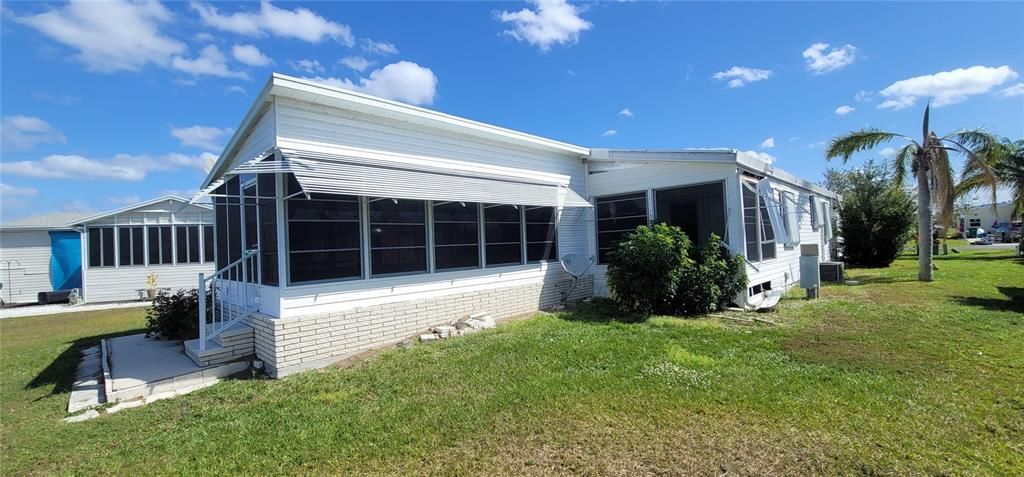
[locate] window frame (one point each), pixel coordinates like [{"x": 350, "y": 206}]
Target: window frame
[
  {"x": 427, "y": 239},
  {"x": 100, "y": 231},
  {"x": 619, "y": 197},
  {"x": 522, "y": 235},
  {"x": 158, "y": 229},
  {"x": 761, "y": 221},
  {"x": 132, "y": 246},
  {"x": 478, "y": 244},
  {"x": 360, "y": 250},
  {"x": 555, "y": 222}
]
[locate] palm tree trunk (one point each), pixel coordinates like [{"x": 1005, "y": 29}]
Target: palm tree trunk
[{"x": 924, "y": 225}]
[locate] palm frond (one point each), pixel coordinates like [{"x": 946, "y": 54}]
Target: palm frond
[
  {"x": 904, "y": 158},
  {"x": 856, "y": 141},
  {"x": 944, "y": 195},
  {"x": 982, "y": 150},
  {"x": 978, "y": 141}
]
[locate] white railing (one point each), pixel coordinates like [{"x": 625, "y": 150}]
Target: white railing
[{"x": 234, "y": 294}]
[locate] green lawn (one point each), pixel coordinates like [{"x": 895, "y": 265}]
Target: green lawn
[{"x": 889, "y": 377}]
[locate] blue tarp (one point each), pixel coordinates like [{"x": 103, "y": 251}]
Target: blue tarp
[{"x": 65, "y": 260}]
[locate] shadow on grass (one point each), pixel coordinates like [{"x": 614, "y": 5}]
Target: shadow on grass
[
  {"x": 600, "y": 310},
  {"x": 60, "y": 373},
  {"x": 1014, "y": 301},
  {"x": 861, "y": 281}
]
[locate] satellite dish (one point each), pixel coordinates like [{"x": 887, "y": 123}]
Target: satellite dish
[{"x": 577, "y": 265}]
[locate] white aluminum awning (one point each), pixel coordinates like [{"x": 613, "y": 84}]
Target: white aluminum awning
[{"x": 378, "y": 176}]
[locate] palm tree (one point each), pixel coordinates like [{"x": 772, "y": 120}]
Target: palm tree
[
  {"x": 928, "y": 160},
  {"x": 1006, "y": 159}
]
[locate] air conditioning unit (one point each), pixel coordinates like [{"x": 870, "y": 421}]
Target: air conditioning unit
[{"x": 831, "y": 271}]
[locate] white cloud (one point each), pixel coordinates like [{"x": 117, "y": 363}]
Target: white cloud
[
  {"x": 740, "y": 76},
  {"x": 234, "y": 89},
  {"x": 626, "y": 113},
  {"x": 821, "y": 60},
  {"x": 844, "y": 110},
  {"x": 207, "y": 138},
  {"x": 61, "y": 99},
  {"x": 357, "y": 63},
  {"x": 378, "y": 47},
  {"x": 768, "y": 143},
  {"x": 310, "y": 67},
  {"x": 887, "y": 152},
  {"x": 125, "y": 167},
  {"x": 209, "y": 62},
  {"x": 864, "y": 97},
  {"x": 402, "y": 81},
  {"x": 945, "y": 87},
  {"x": 552, "y": 22},
  {"x": 204, "y": 37},
  {"x": 250, "y": 55},
  {"x": 762, "y": 156},
  {"x": 115, "y": 36},
  {"x": 7, "y": 190},
  {"x": 125, "y": 200},
  {"x": 301, "y": 23},
  {"x": 816, "y": 144},
  {"x": 1015, "y": 90},
  {"x": 609, "y": 133},
  {"x": 24, "y": 132}
]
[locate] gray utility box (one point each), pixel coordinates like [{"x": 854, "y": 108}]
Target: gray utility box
[{"x": 810, "y": 275}]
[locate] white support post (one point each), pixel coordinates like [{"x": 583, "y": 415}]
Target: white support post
[{"x": 202, "y": 312}]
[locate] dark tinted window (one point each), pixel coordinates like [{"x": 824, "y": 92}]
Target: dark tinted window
[
  {"x": 101, "y": 246},
  {"x": 541, "y": 234},
  {"x": 398, "y": 240},
  {"x": 323, "y": 239},
  {"x": 161, "y": 250},
  {"x": 699, "y": 210},
  {"x": 268, "y": 228},
  {"x": 187, "y": 243},
  {"x": 617, "y": 216},
  {"x": 502, "y": 234},
  {"x": 208, "y": 247},
  {"x": 456, "y": 235},
  {"x": 130, "y": 246}
]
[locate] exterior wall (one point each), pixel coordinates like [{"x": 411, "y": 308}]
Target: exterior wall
[
  {"x": 301, "y": 124},
  {"x": 289, "y": 345},
  {"x": 261, "y": 138},
  {"x": 636, "y": 177},
  {"x": 783, "y": 271},
  {"x": 32, "y": 275},
  {"x": 1003, "y": 213},
  {"x": 120, "y": 283}
]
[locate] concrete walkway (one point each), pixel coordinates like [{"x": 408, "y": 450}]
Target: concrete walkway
[{"x": 39, "y": 310}]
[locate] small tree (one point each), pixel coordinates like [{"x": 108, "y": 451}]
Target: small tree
[
  {"x": 876, "y": 216},
  {"x": 645, "y": 269}
]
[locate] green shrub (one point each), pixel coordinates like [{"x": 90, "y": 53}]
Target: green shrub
[
  {"x": 727, "y": 269},
  {"x": 174, "y": 316},
  {"x": 645, "y": 268},
  {"x": 876, "y": 217},
  {"x": 655, "y": 270}
]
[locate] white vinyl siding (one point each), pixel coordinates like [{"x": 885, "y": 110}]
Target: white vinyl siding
[{"x": 32, "y": 275}]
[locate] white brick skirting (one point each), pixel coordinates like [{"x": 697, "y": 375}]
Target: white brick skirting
[{"x": 289, "y": 345}]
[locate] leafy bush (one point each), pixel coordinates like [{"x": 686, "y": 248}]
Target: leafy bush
[
  {"x": 655, "y": 270},
  {"x": 174, "y": 317},
  {"x": 645, "y": 268},
  {"x": 876, "y": 217},
  {"x": 728, "y": 270}
]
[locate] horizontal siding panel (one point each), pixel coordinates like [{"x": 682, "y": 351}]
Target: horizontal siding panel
[
  {"x": 104, "y": 284},
  {"x": 32, "y": 274}
]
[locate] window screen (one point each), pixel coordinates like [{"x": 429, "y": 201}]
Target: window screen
[
  {"x": 398, "y": 236},
  {"x": 101, "y": 246},
  {"x": 456, "y": 235},
  {"x": 208, "y": 247},
  {"x": 130, "y": 246},
  {"x": 323, "y": 238},
  {"x": 268, "y": 228},
  {"x": 617, "y": 216},
  {"x": 699, "y": 210},
  {"x": 187, "y": 243},
  {"x": 541, "y": 234},
  {"x": 503, "y": 234},
  {"x": 759, "y": 236},
  {"x": 161, "y": 251}
]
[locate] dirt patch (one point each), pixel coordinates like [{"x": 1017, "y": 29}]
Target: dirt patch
[{"x": 855, "y": 344}]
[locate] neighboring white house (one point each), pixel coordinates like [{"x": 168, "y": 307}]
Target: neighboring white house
[
  {"x": 346, "y": 221},
  {"x": 995, "y": 219},
  {"x": 108, "y": 256}
]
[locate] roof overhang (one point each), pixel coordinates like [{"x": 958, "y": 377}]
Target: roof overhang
[
  {"x": 167, "y": 198},
  {"x": 299, "y": 89}
]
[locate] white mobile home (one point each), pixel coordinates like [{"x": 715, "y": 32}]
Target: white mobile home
[
  {"x": 346, "y": 221},
  {"x": 108, "y": 256}
]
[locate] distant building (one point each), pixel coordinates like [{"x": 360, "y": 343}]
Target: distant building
[{"x": 994, "y": 219}]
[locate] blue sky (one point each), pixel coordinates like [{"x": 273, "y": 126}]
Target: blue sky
[{"x": 107, "y": 103}]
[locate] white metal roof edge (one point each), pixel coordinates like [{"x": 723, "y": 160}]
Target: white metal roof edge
[
  {"x": 243, "y": 128},
  {"x": 301, "y": 89},
  {"x": 28, "y": 228},
  {"x": 718, "y": 155},
  {"x": 129, "y": 208}
]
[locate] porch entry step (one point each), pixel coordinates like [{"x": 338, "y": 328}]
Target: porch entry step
[
  {"x": 87, "y": 391},
  {"x": 235, "y": 343}
]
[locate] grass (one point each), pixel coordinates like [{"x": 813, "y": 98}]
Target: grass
[{"x": 888, "y": 377}]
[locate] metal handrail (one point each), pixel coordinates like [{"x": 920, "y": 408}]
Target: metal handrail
[{"x": 242, "y": 296}]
